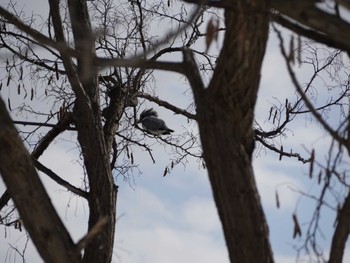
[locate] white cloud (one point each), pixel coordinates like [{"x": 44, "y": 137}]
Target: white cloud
[
  {"x": 161, "y": 244},
  {"x": 201, "y": 214},
  {"x": 271, "y": 179}
]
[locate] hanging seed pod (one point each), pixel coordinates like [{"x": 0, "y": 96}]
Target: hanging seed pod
[
  {"x": 8, "y": 80},
  {"x": 319, "y": 177},
  {"x": 50, "y": 79},
  {"x": 277, "y": 199},
  {"x": 9, "y": 103},
  {"x": 274, "y": 117},
  {"x": 127, "y": 152},
  {"x": 270, "y": 113},
  {"x": 25, "y": 92},
  {"x": 56, "y": 70},
  {"x": 312, "y": 159},
  {"x": 281, "y": 153},
  {"x": 21, "y": 73},
  {"x": 165, "y": 171},
  {"x": 31, "y": 94},
  {"x": 297, "y": 228}
]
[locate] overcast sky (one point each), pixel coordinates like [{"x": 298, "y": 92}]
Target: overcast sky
[{"x": 173, "y": 219}]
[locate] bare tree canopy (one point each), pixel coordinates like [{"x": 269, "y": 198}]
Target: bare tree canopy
[{"x": 89, "y": 69}]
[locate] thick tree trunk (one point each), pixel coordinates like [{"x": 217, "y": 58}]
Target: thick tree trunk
[
  {"x": 34, "y": 206},
  {"x": 102, "y": 194},
  {"x": 225, "y": 116}
]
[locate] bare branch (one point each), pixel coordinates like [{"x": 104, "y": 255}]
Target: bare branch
[
  {"x": 166, "y": 105},
  {"x": 302, "y": 94},
  {"x": 341, "y": 233},
  {"x": 34, "y": 206},
  {"x": 59, "y": 180}
]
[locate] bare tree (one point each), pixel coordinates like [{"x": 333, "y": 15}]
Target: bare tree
[{"x": 98, "y": 59}]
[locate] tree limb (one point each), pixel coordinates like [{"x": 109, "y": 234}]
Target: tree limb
[
  {"x": 166, "y": 105},
  {"x": 59, "y": 180},
  {"x": 34, "y": 206}
]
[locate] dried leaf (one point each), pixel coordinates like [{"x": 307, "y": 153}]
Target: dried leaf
[
  {"x": 19, "y": 89},
  {"x": 9, "y": 103},
  {"x": 297, "y": 229},
  {"x": 277, "y": 199},
  {"x": 274, "y": 117},
  {"x": 203, "y": 165},
  {"x": 0, "y": 85},
  {"x": 25, "y": 92},
  {"x": 56, "y": 70},
  {"x": 8, "y": 80},
  {"x": 312, "y": 159},
  {"x": 21, "y": 73},
  {"x": 165, "y": 171},
  {"x": 281, "y": 153},
  {"x": 127, "y": 152},
  {"x": 319, "y": 177},
  {"x": 271, "y": 109},
  {"x": 32, "y": 94},
  {"x": 212, "y": 32},
  {"x": 172, "y": 165},
  {"x": 50, "y": 79},
  {"x": 132, "y": 158}
]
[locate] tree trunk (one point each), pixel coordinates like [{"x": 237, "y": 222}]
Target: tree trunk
[
  {"x": 102, "y": 194},
  {"x": 34, "y": 206},
  {"x": 225, "y": 116}
]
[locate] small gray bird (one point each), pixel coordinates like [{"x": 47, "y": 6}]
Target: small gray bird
[{"x": 152, "y": 124}]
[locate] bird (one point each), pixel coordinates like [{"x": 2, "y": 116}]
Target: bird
[{"x": 152, "y": 124}]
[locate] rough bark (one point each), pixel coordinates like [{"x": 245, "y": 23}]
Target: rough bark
[
  {"x": 34, "y": 206},
  {"x": 225, "y": 110},
  {"x": 341, "y": 233},
  {"x": 102, "y": 195}
]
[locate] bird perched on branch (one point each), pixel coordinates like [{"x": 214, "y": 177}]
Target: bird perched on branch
[{"x": 152, "y": 124}]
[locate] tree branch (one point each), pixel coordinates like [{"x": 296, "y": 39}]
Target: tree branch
[
  {"x": 59, "y": 180},
  {"x": 166, "y": 105},
  {"x": 302, "y": 94},
  {"x": 28, "y": 193},
  {"x": 62, "y": 47}
]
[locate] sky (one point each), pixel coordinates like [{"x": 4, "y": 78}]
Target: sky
[{"x": 174, "y": 218}]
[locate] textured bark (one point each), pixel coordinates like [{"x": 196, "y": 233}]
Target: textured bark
[
  {"x": 102, "y": 195},
  {"x": 34, "y": 206},
  {"x": 225, "y": 116},
  {"x": 341, "y": 233}
]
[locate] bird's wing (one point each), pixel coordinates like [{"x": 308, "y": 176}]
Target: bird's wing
[{"x": 153, "y": 123}]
